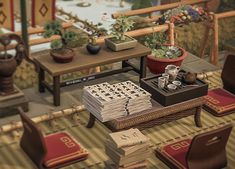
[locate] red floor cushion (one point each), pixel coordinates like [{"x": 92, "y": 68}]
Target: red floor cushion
[
  {"x": 176, "y": 152},
  {"x": 220, "y": 101},
  {"x": 61, "y": 149}
]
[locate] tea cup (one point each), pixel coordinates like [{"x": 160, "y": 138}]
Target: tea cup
[
  {"x": 166, "y": 76},
  {"x": 177, "y": 83},
  {"x": 161, "y": 82},
  {"x": 171, "y": 87}
]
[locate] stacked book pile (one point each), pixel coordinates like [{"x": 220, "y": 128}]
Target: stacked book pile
[
  {"x": 138, "y": 98},
  {"x": 107, "y": 102},
  {"x": 127, "y": 150},
  {"x": 103, "y": 102}
]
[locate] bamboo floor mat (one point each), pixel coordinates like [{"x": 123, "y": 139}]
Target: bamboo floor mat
[{"x": 12, "y": 157}]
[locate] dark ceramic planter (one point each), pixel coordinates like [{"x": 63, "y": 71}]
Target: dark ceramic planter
[
  {"x": 7, "y": 69},
  {"x": 157, "y": 65},
  {"x": 93, "y": 49},
  {"x": 66, "y": 57}
]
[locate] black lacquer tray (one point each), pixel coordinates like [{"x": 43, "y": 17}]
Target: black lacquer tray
[{"x": 168, "y": 97}]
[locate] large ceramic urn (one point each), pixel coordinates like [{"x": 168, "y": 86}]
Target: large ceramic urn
[{"x": 9, "y": 62}]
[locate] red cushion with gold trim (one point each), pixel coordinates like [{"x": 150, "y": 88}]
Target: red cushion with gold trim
[
  {"x": 176, "y": 152},
  {"x": 220, "y": 101},
  {"x": 61, "y": 149}
]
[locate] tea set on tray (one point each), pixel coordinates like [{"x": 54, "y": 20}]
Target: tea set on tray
[{"x": 169, "y": 78}]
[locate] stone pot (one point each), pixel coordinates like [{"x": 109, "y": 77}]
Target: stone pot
[
  {"x": 109, "y": 42},
  {"x": 65, "y": 55},
  {"x": 7, "y": 69},
  {"x": 93, "y": 49},
  {"x": 157, "y": 65}
]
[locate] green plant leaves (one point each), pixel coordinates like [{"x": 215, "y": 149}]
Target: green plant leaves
[
  {"x": 56, "y": 44},
  {"x": 121, "y": 25}
]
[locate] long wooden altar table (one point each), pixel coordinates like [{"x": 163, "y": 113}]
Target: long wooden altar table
[
  {"x": 84, "y": 60},
  {"x": 157, "y": 115}
]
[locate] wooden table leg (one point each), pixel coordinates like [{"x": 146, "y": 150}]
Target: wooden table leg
[
  {"x": 197, "y": 117},
  {"x": 142, "y": 67},
  {"x": 56, "y": 90},
  {"x": 41, "y": 78},
  {"x": 91, "y": 121}
]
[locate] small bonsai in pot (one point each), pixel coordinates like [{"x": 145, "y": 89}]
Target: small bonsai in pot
[
  {"x": 60, "y": 51},
  {"x": 163, "y": 54},
  {"x": 93, "y": 34},
  {"x": 118, "y": 40},
  {"x": 92, "y": 47}
]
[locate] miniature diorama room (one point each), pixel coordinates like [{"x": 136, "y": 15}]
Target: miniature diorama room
[{"x": 117, "y": 84}]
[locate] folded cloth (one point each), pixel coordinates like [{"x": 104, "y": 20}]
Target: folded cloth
[{"x": 220, "y": 102}]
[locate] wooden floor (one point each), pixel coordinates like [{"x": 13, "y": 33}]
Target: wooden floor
[{"x": 93, "y": 139}]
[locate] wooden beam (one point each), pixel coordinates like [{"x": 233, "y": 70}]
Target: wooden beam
[
  {"x": 158, "y": 8},
  {"x": 225, "y": 14},
  {"x": 140, "y": 32},
  {"x": 38, "y": 30}
]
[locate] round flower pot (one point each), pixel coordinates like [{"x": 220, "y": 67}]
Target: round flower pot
[
  {"x": 93, "y": 49},
  {"x": 65, "y": 55},
  {"x": 157, "y": 65},
  {"x": 7, "y": 69}
]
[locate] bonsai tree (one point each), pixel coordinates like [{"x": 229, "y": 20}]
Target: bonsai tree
[
  {"x": 93, "y": 34},
  {"x": 55, "y": 28},
  {"x": 121, "y": 25},
  {"x": 60, "y": 52}
]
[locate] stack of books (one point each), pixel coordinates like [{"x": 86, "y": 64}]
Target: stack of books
[
  {"x": 107, "y": 102},
  {"x": 138, "y": 98},
  {"x": 103, "y": 102},
  {"x": 127, "y": 150}
]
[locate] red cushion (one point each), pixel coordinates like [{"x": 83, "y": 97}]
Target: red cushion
[
  {"x": 61, "y": 149},
  {"x": 176, "y": 152},
  {"x": 220, "y": 100}
]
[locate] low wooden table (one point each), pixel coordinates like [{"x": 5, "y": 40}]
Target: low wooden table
[
  {"x": 84, "y": 60},
  {"x": 155, "y": 116}
]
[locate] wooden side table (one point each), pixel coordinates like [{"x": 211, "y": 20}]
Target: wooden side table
[
  {"x": 155, "y": 116},
  {"x": 84, "y": 60}
]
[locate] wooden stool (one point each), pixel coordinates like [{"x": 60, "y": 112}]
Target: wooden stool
[
  {"x": 54, "y": 151},
  {"x": 206, "y": 150}
]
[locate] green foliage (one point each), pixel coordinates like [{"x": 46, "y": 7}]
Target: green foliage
[
  {"x": 121, "y": 25},
  {"x": 52, "y": 28},
  {"x": 169, "y": 52},
  {"x": 1, "y": 32},
  {"x": 55, "y": 28},
  {"x": 156, "y": 42},
  {"x": 69, "y": 36},
  {"x": 56, "y": 44}
]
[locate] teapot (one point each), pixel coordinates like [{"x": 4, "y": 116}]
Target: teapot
[
  {"x": 172, "y": 70},
  {"x": 190, "y": 78}
]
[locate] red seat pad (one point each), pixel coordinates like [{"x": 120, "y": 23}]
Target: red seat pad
[
  {"x": 176, "y": 152},
  {"x": 220, "y": 100},
  {"x": 61, "y": 149}
]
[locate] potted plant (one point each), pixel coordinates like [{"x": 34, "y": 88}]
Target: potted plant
[
  {"x": 118, "y": 40},
  {"x": 93, "y": 34},
  {"x": 60, "y": 51},
  {"x": 162, "y": 54},
  {"x": 92, "y": 47}
]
